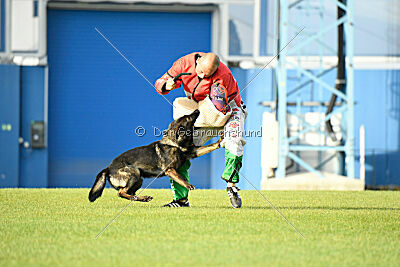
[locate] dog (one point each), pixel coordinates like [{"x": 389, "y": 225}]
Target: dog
[{"x": 160, "y": 158}]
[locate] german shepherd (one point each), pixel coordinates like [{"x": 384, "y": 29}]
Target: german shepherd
[{"x": 160, "y": 158}]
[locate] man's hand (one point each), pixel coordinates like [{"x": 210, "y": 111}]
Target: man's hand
[{"x": 170, "y": 85}]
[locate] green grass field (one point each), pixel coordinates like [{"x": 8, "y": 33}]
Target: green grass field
[{"x": 58, "y": 226}]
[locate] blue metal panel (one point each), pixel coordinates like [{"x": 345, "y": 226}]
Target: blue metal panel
[
  {"x": 392, "y": 171},
  {"x": 371, "y": 109},
  {"x": 378, "y": 108},
  {"x": 33, "y": 162},
  {"x": 96, "y": 99},
  {"x": 259, "y": 90},
  {"x": 9, "y": 125}
]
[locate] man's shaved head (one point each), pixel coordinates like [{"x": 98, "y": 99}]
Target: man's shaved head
[
  {"x": 212, "y": 60},
  {"x": 207, "y": 65}
]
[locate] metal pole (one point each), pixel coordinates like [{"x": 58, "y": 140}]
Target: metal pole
[
  {"x": 341, "y": 68},
  {"x": 256, "y": 28},
  {"x": 349, "y": 50},
  {"x": 282, "y": 78}
]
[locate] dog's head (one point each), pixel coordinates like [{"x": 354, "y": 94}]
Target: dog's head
[{"x": 180, "y": 131}]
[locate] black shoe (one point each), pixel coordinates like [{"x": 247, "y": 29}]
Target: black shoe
[
  {"x": 177, "y": 204},
  {"x": 233, "y": 195}
]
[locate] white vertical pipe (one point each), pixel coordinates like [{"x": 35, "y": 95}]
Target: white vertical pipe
[
  {"x": 2, "y": 21},
  {"x": 42, "y": 11},
  {"x": 7, "y": 27},
  {"x": 362, "y": 153},
  {"x": 256, "y": 28},
  {"x": 215, "y": 31},
  {"x": 225, "y": 31},
  {"x": 282, "y": 90}
]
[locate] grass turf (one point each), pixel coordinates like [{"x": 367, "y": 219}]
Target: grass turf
[{"x": 58, "y": 226}]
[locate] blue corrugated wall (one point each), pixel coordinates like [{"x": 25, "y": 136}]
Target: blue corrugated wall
[{"x": 97, "y": 99}]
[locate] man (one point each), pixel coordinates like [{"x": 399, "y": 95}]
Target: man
[{"x": 210, "y": 78}]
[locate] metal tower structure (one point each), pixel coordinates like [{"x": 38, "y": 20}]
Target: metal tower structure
[{"x": 292, "y": 58}]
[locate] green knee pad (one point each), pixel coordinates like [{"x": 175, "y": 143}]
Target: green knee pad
[
  {"x": 233, "y": 164},
  {"x": 181, "y": 192}
]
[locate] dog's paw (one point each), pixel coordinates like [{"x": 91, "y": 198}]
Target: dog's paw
[
  {"x": 147, "y": 198},
  {"x": 190, "y": 187},
  {"x": 220, "y": 140}
]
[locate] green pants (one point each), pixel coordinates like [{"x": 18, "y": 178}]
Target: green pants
[
  {"x": 181, "y": 192},
  {"x": 233, "y": 164}
]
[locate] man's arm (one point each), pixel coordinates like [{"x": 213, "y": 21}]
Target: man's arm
[
  {"x": 165, "y": 84},
  {"x": 231, "y": 85}
]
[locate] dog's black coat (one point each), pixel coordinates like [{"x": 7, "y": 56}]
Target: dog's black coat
[{"x": 163, "y": 157}]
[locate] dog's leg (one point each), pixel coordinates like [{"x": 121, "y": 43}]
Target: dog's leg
[
  {"x": 174, "y": 175},
  {"x": 142, "y": 198},
  {"x": 123, "y": 194},
  {"x": 202, "y": 150},
  {"x": 135, "y": 188},
  {"x": 134, "y": 183}
]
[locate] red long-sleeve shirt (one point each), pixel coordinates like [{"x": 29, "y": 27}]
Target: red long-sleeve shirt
[{"x": 195, "y": 87}]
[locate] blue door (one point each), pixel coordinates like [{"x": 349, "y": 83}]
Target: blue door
[
  {"x": 97, "y": 99},
  {"x": 9, "y": 125}
]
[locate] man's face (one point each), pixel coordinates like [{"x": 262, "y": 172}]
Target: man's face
[{"x": 204, "y": 69}]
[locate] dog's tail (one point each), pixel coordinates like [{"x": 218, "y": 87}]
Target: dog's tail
[{"x": 99, "y": 184}]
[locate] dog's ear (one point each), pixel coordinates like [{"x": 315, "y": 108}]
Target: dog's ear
[{"x": 184, "y": 136}]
